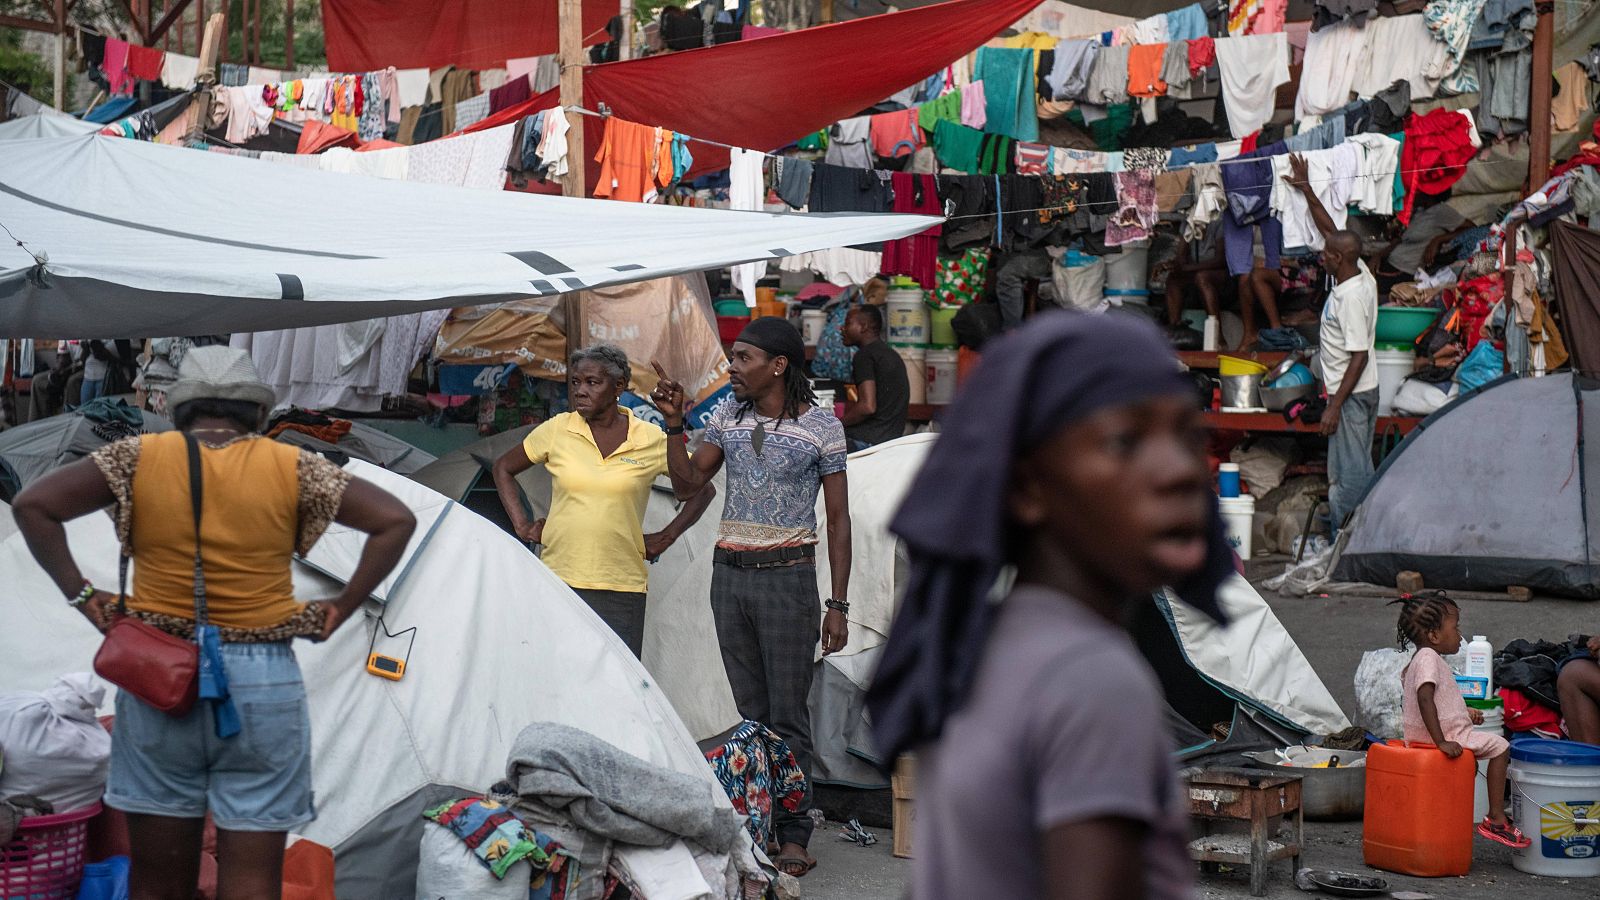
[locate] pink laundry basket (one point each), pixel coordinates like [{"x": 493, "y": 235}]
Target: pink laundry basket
[{"x": 45, "y": 860}]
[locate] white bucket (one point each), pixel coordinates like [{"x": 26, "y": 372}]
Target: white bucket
[
  {"x": 1393, "y": 367},
  {"x": 1238, "y": 521},
  {"x": 1555, "y": 800},
  {"x": 916, "y": 360},
  {"x": 909, "y": 322},
  {"x": 942, "y": 366},
  {"x": 811, "y": 324}
]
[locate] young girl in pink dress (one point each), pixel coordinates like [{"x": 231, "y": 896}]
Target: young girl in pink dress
[{"x": 1434, "y": 711}]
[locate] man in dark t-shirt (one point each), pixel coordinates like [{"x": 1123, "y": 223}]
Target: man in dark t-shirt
[{"x": 882, "y": 391}]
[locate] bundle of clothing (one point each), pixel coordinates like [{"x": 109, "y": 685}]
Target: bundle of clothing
[{"x": 1526, "y": 673}]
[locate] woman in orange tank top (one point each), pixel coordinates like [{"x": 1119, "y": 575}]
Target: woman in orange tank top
[{"x": 262, "y": 502}]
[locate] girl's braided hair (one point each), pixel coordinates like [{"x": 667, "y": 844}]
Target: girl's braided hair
[{"x": 1420, "y": 614}]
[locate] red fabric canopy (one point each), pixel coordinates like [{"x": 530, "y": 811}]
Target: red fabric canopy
[
  {"x": 765, "y": 94},
  {"x": 365, "y": 35}
]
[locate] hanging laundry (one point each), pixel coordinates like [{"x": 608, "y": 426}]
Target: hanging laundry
[
  {"x": 1256, "y": 16},
  {"x": 1574, "y": 99},
  {"x": 179, "y": 72},
  {"x": 1144, "y": 70},
  {"x": 1332, "y": 174},
  {"x": 848, "y": 143},
  {"x": 946, "y": 108},
  {"x": 747, "y": 191},
  {"x": 1248, "y": 184},
  {"x": 1318, "y": 137},
  {"x": 1151, "y": 31},
  {"x": 1136, "y": 208},
  {"x": 144, "y": 63},
  {"x": 1452, "y": 22},
  {"x": 1202, "y": 55},
  {"x": 553, "y": 143},
  {"x": 918, "y": 255},
  {"x": 1434, "y": 157},
  {"x": 843, "y": 266},
  {"x": 1108, "y": 82},
  {"x": 794, "y": 181},
  {"x": 627, "y": 158},
  {"x": 1193, "y": 154},
  {"x": 374, "y": 119},
  {"x": 513, "y": 92},
  {"x": 895, "y": 134},
  {"x": 1333, "y": 12},
  {"x": 412, "y": 86},
  {"x": 1175, "y": 70},
  {"x": 471, "y": 111},
  {"x": 1374, "y": 187},
  {"x": 958, "y": 146},
  {"x": 1328, "y": 72},
  {"x": 244, "y": 112},
  {"x": 849, "y": 189},
  {"x": 1009, "y": 81},
  {"x": 1187, "y": 23},
  {"x": 1068, "y": 78},
  {"x": 1210, "y": 200},
  {"x": 116, "y": 68},
  {"x": 1076, "y": 162},
  {"x": 1401, "y": 48},
  {"x": 1032, "y": 159},
  {"x": 1253, "y": 68},
  {"x": 974, "y": 106},
  {"x": 996, "y": 155}
]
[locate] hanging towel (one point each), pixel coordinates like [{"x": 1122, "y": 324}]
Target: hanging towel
[
  {"x": 746, "y": 191},
  {"x": 1186, "y": 24},
  {"x": 1009, "y": 90}
]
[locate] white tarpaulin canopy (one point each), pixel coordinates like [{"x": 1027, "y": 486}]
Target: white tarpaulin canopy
[
  {"x": 45, "y": 125},
  {"x": 146, "y": 240},
  {"x": 500, "y": 643}
]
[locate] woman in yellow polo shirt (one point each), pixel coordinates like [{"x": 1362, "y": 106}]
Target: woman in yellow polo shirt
[{"x": 602, "y": 461}]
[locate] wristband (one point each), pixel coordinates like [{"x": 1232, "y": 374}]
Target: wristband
[
  {"x": 674, "y": 430},
  {"x": 82, "y": 596},
  {"x": 838, "y": 606}
]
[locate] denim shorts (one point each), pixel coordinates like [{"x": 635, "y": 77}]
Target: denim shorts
[{"x": 257, "y": 780}]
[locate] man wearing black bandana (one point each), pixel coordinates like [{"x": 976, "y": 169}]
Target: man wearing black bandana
[{"x": 780, "y": 450}]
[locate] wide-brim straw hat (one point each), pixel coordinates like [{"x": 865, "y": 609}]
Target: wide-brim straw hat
[{"x": 219, "y": 373}]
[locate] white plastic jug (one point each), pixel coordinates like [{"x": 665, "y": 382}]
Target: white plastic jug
[{"x": 1480, "y": 661}]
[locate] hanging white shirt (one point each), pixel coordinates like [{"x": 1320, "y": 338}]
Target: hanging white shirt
[
  {"x": 1329, "y": 72},
  {"x": 747, "y": 190},
  {"x": 553, "y": 142},
  {"x": 1252, "y": 67},
  {"x": 1399, "y": 48},
  {"x": 1380, "y": 160},
  {"x": 1332, "y": 176}
]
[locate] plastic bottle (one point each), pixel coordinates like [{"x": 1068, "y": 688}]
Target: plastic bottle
[
  {"x": 1480, "y": 661},
  {"x": 1208, "y": 337}
]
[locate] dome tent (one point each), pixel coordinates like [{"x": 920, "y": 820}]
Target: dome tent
[{"x": 1491, "y": 491}]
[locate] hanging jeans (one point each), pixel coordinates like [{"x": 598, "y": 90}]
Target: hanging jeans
[{"x": 1350, "y": 455}]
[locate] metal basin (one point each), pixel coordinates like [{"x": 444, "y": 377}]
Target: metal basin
[{"x": 1327, "y": 795}]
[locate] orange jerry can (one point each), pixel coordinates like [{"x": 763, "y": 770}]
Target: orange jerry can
[{"x": 1418, "y": 818}]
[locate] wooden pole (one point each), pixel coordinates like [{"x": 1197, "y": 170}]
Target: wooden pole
[
  {"x": 570, "y": 55},
  {"x": 288, "y": 34},
  {"x": 60, "y": 95},
  {"x": 625, "y": 47},
  {"x": 255, "y": 37},
  {"x": 1539, "y": 105},
  {"x": 213, "y": 39},
  {"x": 827, "y": 12}
]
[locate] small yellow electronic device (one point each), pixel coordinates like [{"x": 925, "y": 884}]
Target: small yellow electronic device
[
  {"x": 386, "y": 666},
  {"x": 382, "y": 664}
]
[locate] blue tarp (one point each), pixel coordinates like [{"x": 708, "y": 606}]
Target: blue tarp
[{"x": 111, "y": 110}]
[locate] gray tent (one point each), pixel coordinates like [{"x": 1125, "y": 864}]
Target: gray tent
[
  {"x": 367, "y": 444},
  {"x": 31, "y": 450},
  {"x": 1490, "y": 491}
]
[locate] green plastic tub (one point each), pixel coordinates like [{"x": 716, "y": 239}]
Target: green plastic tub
[{"x": 1402, "y": 324}]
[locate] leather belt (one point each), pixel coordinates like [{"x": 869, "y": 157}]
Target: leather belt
[{"x": 757, "y": 559}]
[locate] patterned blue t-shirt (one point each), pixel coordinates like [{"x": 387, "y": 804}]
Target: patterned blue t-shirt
[{"x": 772, "y": 498}]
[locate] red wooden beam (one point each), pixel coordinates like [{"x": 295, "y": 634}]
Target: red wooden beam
[
  {"x": 167, "y": 21},
  {"x": 28, "y": 24}
]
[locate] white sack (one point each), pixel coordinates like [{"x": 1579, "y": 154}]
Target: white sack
[{"x": 54, "y": 746}]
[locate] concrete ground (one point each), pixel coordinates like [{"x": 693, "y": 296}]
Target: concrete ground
[{"x": 1333, "y": 632}]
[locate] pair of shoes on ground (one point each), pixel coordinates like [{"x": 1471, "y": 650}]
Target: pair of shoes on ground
[{"x": 1506, "y": 834}]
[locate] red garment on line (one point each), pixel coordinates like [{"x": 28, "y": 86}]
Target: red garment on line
[
  {"x": 724, "y": 93},
  {"x": 1435, "y": 154},
  {"x": 144, "y": 63},
  {"x": 1202, "y": 53},
  {"x": 918, "y": 255}
]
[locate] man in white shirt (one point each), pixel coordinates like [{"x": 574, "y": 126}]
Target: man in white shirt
[{"x": 1349, "y": 334}]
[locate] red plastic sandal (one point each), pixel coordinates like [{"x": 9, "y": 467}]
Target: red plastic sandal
[{"x": 1506, "y": 834}]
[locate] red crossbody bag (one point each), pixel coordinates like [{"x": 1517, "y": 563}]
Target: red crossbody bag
[{"x": 161, "y": 669}]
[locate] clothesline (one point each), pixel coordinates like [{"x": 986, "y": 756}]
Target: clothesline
[{"x": 606, "y": 114}]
